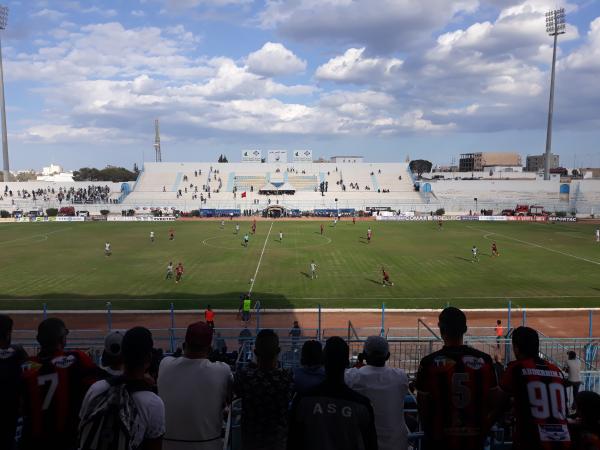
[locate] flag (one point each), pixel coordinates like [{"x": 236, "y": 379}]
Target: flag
[{"x": 244, "y": 194}]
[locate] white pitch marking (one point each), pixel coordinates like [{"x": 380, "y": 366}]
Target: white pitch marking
[
  {"x": 30, "y": 238},
  {"x": 261, "y": 257},
  {"x": 533, "y": 244}
]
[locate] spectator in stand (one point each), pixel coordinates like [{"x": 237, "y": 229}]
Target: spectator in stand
[
  {"x": 195, "y": 391},
  {"x": 386, "y": 388},
  {"x": 112, "y": 361},
  {"x": 295, "y": 333},
  {"x": 573, "y": 369},
  {"x": 585, "y": 429},
  {"x": 55, "y": 382},
  {"x": 311, "y": 372},
  {"x": 11, "y": 358},
  {"x": 209, "y": 316},
  {"x": 457, "y": 390},
  {"x": 332, "y": 416},
  {"x": 538, "y": 389},
  {"x": 499, "y": 330},
  {"x": 144, "y": 419},
  {"x": 265, "y": 391}
]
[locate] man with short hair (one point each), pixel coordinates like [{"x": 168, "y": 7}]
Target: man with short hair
[
  {"x": 209, "y": 316},
  {"x": 540, "y": 398},
  {"x": 457, "y": 390},
  {"x": 195, "y": 391},
  {"x": 386, "y": 388},
  {"x": 55, "y": 382},
  {"x": 313, "y": 270},
  {"x": 112, "y": 360},
  {"x": 265, "y": 391},
  {"x": 573, "y": 370},
  {"x": 11, "y": 358},
  {"x": 148, "y": 417},
  {"x": 332, "y": 416},
  {"x": 310, "y": 373}
]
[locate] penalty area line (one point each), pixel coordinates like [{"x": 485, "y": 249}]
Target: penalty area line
[
  {"x": 533, "y": 244},
  {"x": 260, "y": 259}
]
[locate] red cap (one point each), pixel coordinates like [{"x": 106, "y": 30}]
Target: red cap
[{"x": 199, "y": 334}]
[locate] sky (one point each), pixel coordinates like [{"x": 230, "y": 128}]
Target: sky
[{"x": 386, "y": 79}]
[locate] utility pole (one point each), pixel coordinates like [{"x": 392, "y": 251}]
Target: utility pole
[
  {"x": 5, "y": 166},
  {"x": 555, "y": 25}
]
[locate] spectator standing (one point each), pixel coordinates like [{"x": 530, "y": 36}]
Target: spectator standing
[
  {"x": 209, "y": 317},
  {"x": 538, "y": 389},
  {"x": 55, "y": 382},
  {"x": 499, "y": 330},
  {"x": 11, "y": 358},
  {"x": 386, "y": 388},
  {"x": 112, "y": 361},
  {"x": 195, "y": 391},
  {"x": 457, "y": 390},
  {"x": 573, "y": 369},
  {"x": 585, "y": 429},
  {"x": 140, "y": 412},
  {"x": 295, "y": 334},
  {"x": 311, "y": 372},
  {"x": 332, "y": 416},
  {"x": 265, "y": 391}
]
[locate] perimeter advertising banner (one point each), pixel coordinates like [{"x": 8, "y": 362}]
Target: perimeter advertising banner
[
  {"x": 277, "y": 156},
  {"x": 303, "y": 156},
  {"x": 251, "y": 156}
]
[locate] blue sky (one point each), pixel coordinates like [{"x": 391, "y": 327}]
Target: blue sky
[{"x": 387, "y": 78}]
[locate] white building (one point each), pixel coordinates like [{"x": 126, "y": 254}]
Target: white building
[{"x": 52, "y": 169}]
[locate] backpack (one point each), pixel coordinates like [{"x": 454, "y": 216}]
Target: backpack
[{"x": 111, "y": 419}]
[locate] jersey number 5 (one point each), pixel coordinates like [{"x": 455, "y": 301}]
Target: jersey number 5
[
  {"x": 546, "y": 400},
  {"x": 461, "y": 394},
  {"x": 51, "y": 380}
]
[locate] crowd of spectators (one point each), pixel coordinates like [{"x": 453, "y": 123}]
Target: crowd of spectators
[
  {"x": 89, "y": 194},
  {"x": 137, "y": 398}
]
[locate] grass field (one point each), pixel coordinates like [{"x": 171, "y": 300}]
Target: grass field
[{"x": 63, "y": 265}]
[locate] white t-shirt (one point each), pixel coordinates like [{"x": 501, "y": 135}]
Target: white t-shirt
[
  {"x": 574, "y": 366},
  {"x": 151, "y": 412},
  {"x": 386, "y": 387},
  {"x": 195, "y": 392}
]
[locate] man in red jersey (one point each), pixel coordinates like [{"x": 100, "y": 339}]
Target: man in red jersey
[
  {"x": 457, "y": 390},
  {"x": 178, "y": 272},
  {"x": 54, "y": 382},
  {"x": 540, "y": 399}
]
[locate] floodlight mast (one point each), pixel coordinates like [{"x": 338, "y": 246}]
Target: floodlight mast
[
  {"x": 555, "y": 25},
  {"x": 5, "y": 166}
]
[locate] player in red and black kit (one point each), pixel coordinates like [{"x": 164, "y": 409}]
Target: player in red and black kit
[
  {"x": 171, "y": 234},
  {"x": 11, "y": 358},
  {"x": 178, "y": 272},
  {"x": 54, "y": 384},
  {"x": 540, "y": 399},
  {"x": 457, "y": 390},
  {"x": 254, "y": 226},
  {"x": 495, "y": 249}
]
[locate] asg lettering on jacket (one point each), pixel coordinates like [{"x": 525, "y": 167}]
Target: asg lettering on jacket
[{"x": 332, "y": 408}]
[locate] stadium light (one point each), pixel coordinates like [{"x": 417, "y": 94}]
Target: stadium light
[
  {"x": 555, "y": 25},
  {"x": 5, "y": 167}
]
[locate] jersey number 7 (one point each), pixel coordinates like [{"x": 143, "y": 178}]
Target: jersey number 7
[{"x": 50, "y": 380}]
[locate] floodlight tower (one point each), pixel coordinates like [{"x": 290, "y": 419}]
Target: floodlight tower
[
  {"x": 157, "y": 155},
  {"x": 5, "y": 166},
  {"x": 555, "y": 25}
]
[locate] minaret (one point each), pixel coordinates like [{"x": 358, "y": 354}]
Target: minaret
[{"x": 158, "y": 157}]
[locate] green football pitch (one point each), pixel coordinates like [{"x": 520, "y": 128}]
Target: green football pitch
[{"x": 63, "y": 265}]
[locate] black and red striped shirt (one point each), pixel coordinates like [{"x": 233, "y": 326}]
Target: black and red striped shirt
[
  {"x": 538, "y": 389},
  {"x": 54, "y": 387},
  {"x": 458, "y": 381}
]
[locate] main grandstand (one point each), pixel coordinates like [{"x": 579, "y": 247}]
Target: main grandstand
[{"x": 308, "y": 187}]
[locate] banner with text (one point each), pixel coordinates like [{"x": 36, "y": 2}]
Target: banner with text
[
  {"x": 303, "y": 156},
  {"x": 251, "y": 156},
  {"x": 277, "y": 156}
]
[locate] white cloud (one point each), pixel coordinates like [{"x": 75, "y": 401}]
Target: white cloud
[
  {"x": 274, "y": 59},
  {"x": 138, "y": 13},
  {"x": 49, "y": 14},
  {"x": 386, "y": 25},
  {"x": 354, "y": 67}
]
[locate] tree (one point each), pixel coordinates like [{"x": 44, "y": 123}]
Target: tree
[
  {"x": 575, "y": 173},
  {"x": 222, "y": 159},
  {"x": 136, "y": 169},
  {"x": 27, "y": 176},
  {"x": 109, "y": 173},
  {"x": 420, "y": 166}
]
